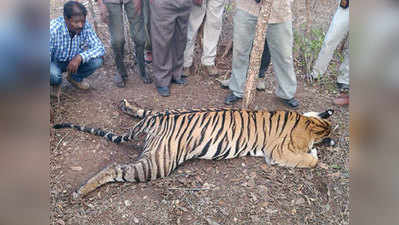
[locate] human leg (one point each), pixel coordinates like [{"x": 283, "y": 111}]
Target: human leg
[
  {"x": 243, "y": 36},
  {"x": 194, "y": 22},
  {"x": 87, "y": 69},
  {"x": 212, "y": 30},
  {"x": 338, "y": 29},
  {"x": 137, "y": 32},
  {"x": 280, "y": 40},
  {"x": 56, "y": 70},
  {"x": 116, "y": 29},
  {"x": 180, "y": 39}
]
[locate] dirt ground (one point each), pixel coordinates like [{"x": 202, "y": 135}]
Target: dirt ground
[{"x": 238, "y": 191}]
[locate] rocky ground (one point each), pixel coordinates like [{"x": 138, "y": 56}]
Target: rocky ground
[{"x": 238, "y": 191}]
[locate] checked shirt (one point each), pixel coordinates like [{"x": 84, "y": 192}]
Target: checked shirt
[{"x": 63, "y": 48}]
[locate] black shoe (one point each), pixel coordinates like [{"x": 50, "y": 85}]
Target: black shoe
[
  {"x": 163, "y": 91},
  {"x": 181, "y": 81},
  {"x": 343, "y": 87},
  {"x": 293, "y": 103},
  {"x": 231, "y": 99},
  {"x": 145, "y": 78},
  {"x": 120, "y": 81}
]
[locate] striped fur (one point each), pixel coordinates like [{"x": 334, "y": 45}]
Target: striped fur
[{"x": 172, "y": 137}]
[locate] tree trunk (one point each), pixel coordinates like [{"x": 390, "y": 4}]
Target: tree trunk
[{"x": 256, "y": 53}]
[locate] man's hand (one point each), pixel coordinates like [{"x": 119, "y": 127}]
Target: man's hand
[
  {"x": 104, "y": 13},
  {"x": 197, "y": 2},
  {"x": 137, "y": 6},
  {"x": 74, "y": 64}
]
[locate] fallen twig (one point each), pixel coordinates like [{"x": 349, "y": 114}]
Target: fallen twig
[
  {"x": 190, "y": 189},
  {"x": 59, "y": 142}
]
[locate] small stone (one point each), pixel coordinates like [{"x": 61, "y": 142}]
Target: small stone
[
  {"x": 211, "y": 222},
  {"x": 60, "y": 222},
  {"x": 251, "y": 182},
  {"x": 299, "y": 201},
  {"x": 135, "y": 220},
  {"x": 128, "y": 203},
  {"x": 264, "y": 204},
  {"x": 76, "y": 168},
  {"x": 271, "y": 211}
]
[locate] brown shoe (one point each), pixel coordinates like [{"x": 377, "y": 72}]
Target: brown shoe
[
  {"x": 186, "y": 72},
  {"x": 79, "y": 85},
  {"x": 342, "y": 100},
  {"x": 212, "y": 70}
]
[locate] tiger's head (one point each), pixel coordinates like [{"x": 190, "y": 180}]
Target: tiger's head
[{"x": 320, "y": 127}]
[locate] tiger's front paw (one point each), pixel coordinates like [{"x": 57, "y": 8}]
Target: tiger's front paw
[{"x": 313, "y": 152}]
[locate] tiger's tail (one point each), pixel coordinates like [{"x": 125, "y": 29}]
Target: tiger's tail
[
  {"x": 115, "y": 138},
  {"x": 139, "y": 171}
]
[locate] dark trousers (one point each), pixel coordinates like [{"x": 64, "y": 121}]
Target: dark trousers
[
  {"x": 169, "y": 21},
  {"x": 84, "y": 70},
  {"x": 137, "y": 33},
  {"x": 265, "y": 62}
]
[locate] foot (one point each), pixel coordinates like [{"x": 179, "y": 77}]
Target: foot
[
  {"x": 260, "y": 85},
  {"x": 163, "y": 91},
  {"x": 120, "y": 81},
  {"x": 224, "y": 83},
  {"x": 145, "y": 78},
  {"x": 212, "y": 70},
  {"x": 80, "y": 85},
  {"x": 231, "y": 99},
  {"x": 148, "y": 56},
  {"x": 342, "y": 100},
  {"x": 186, "y": 72},
  {"x": 293, "y": 103},
  {"x": 311, "y": 77},
  {"x": 343, "y": 87},
  {"x": 181, "y": 81}
]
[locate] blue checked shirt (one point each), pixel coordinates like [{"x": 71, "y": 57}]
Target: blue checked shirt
[{"x": 63, "y": 48}]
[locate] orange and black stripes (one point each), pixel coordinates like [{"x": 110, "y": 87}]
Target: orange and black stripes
[{"x": 175, "y": 136}]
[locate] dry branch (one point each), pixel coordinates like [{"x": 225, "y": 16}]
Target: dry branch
[{"x": 256, "y": 53}]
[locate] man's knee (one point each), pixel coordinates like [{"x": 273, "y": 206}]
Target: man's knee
[
  {"x": 55, "y": 75},
  {"x": 96, "y": 63}
]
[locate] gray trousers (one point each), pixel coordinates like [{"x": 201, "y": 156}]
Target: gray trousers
[
  {"x": 169, "y": 21},
  {"x": 137, "y": 32},
  {"x": 280, "y": 40}
]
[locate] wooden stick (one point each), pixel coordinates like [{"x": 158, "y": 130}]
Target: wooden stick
[
  {"x": 256, "y": 53},
  {"x": 189, "y": 189},
  {"x": 59, "y": 142}
]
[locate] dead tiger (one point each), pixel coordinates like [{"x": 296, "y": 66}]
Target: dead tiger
[{"x": 283, "y": 138}]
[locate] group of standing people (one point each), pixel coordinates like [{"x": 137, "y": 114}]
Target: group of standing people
[{"x": 165, "y": 33}]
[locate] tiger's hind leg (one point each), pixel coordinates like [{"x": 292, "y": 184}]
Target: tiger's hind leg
[
  {"x": 139, "y": 171},
  {"x": 132, "y": 110}
]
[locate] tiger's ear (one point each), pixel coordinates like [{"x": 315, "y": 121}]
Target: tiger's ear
[{"x": 326, "y": 114}]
